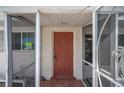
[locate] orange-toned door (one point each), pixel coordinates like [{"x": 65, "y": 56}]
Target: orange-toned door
[{"x": 63, "y": 54}]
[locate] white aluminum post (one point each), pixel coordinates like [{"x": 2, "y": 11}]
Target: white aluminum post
[
  {"x": 8, "y": 50},
  {"x": 95, "y": 54},
  {"x": 116, "y": 45},
  {"x": 94, "y": 75},
  {"x": 37, "y": 49}
]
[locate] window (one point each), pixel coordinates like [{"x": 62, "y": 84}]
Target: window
[
  {"x": 16, "y": 41},
  {"x": 28, "y": 41},
  {"x": 23, "y": 41},
  {"x": 88, "y": 47},
  {"x": 121, "y": 40}
]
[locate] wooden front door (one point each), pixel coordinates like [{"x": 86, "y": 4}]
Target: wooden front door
[{"x": 63, "y": 54}]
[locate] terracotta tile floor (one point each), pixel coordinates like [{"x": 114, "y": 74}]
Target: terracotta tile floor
[{"x": 62, "y": 83}]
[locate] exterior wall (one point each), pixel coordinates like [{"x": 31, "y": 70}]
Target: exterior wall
[
  {"x": 48, "y": 47},
  {"x": 27, "y": 57},
  {"x": 20, "y": 58},
  {"x": 23, "y": 58}
]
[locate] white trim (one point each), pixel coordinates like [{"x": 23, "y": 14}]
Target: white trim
[{"x": 23, "y": 52}]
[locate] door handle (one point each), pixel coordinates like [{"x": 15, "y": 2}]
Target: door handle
[{"x": 55, "y": 57}]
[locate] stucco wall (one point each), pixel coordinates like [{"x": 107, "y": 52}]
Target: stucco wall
[
  {"x": 24, "y": 58},
  {"x": 21, "y": 58}
]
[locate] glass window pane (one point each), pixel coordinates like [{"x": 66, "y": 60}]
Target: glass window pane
[
  {"x": 88, "y": 47},
  {"x": 16, "y": 41},
  {"x": 28, "y": 41},
  {"x": 87, "y": 42},
  {"x": 121, "y": 40}
]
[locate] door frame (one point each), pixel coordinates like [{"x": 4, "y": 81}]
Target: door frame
[{"x": 72, "y": 52}]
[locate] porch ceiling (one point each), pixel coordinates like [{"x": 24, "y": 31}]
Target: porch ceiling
[{"x": 57, "y": 16}]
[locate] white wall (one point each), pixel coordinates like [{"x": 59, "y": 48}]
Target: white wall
[
  {"x": 24, "y": 58},
  {"x": 47, "y": 50},
  {"x": 21, "y": 58}
]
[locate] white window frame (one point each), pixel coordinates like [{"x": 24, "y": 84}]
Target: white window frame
[{"x": 22, "y": 50}]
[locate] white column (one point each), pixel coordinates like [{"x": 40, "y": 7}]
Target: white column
[
  {"x": 95, "y": 52},
  {"x": 37, "y": 49},
  {"x": 8, "y": 49},
  {"x": 94, "y": 73},
  {"x": 116, "y": 44}
]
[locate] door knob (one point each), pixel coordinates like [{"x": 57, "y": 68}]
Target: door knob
[{"x": 55, "y": 57}]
